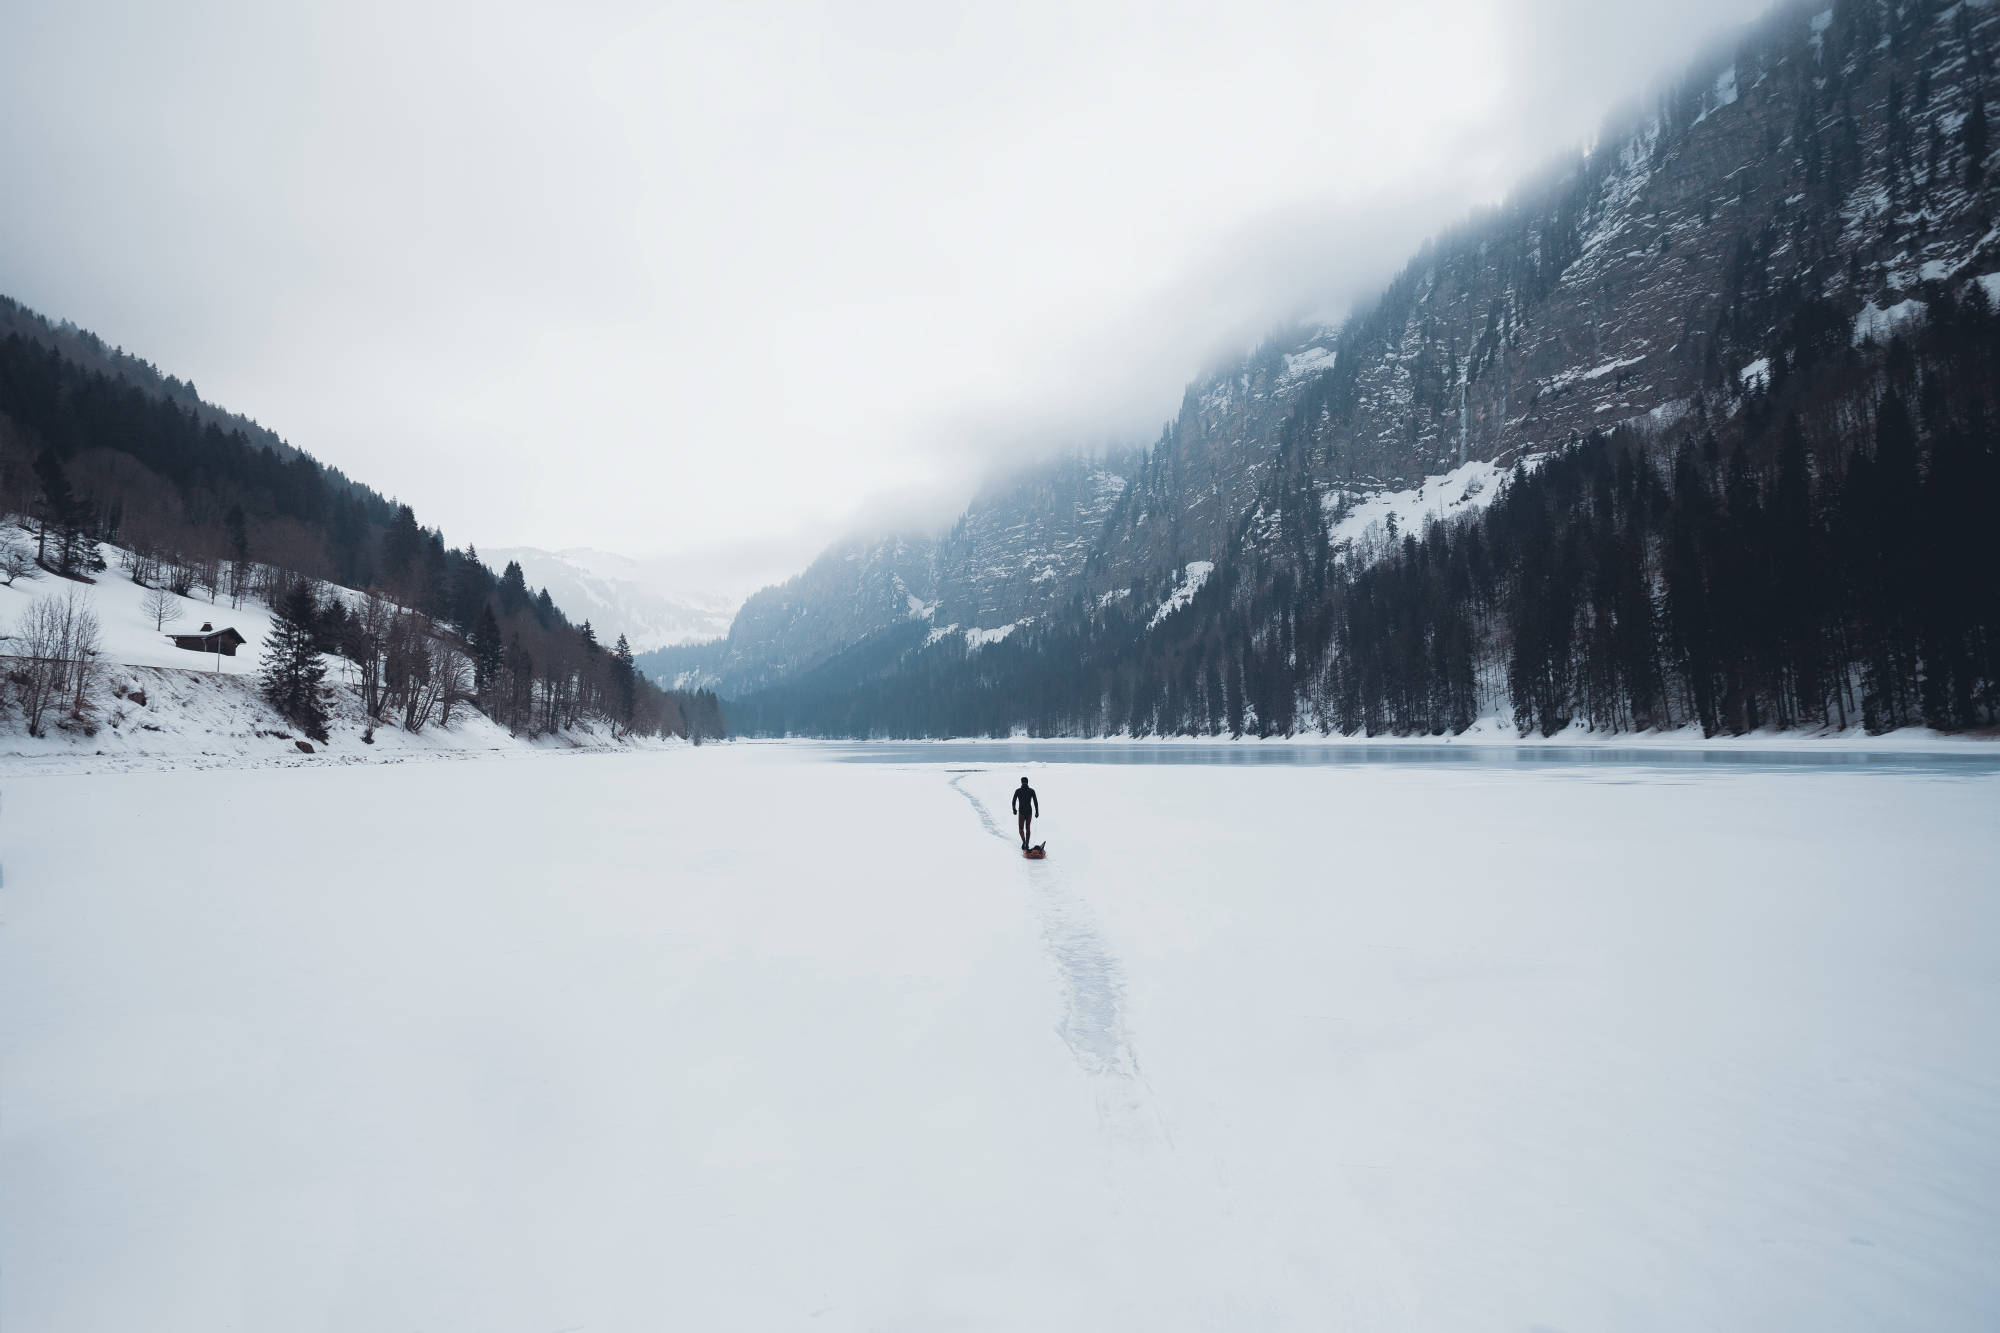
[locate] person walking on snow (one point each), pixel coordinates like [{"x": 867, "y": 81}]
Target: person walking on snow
[{"x": 1026, "y": 807}]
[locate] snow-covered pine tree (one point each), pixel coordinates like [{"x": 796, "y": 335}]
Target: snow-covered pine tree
[{"x": 292, "y": 669}]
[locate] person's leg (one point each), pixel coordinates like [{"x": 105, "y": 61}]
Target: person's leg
[{"x": 1023, "y": 822}]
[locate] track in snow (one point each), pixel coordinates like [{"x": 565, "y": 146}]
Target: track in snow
[{"x": 1092, "y": 980}]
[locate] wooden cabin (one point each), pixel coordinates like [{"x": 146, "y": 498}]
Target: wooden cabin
[{"x": 211, "y": 640}]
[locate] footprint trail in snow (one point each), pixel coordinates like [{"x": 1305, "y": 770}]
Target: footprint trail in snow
[{"x": 1092, "y": 1024}]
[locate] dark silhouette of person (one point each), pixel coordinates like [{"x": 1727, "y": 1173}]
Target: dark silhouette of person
[{"x": 1026, "y": 807}]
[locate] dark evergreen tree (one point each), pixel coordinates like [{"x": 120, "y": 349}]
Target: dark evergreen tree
[
  {"x": 1973, "y": 135},
  {"x": 472, "y": 585},
  {"x": 1233, "y": 704},
  {"x": 331, "y": 630},
  {"x": 624, "y": 682},
  {"x": 59, "y": 540},
  {"x": 514, "y": 597},
  {"x": 292, "y": 669},
  {"x": 402, "y": 553},
  {"x": 486, "y": 650},
  {"x": 236, "y": 531},
  {"x": 433, "y": 580}
]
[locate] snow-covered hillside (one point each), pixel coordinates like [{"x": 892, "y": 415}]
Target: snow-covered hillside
[
  {"x": 156, "y": 705},
  {"x": 1361, "y": 521},
  {"x": 127, "y": 634},
  {"x": 619, "y": 595},
  {"x": 146, "y": 718},
  {"x": 1192, "y": 578}
]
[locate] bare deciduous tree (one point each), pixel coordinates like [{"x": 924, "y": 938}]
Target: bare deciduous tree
[
  {"x": 17, "y": 561},
  {"x": 36, "y": 641},
  {"x": 162, "y": 605},
  {"x": 451, "y": 675},
  {"x": 406, "y": 669},
  {"x": 84, "y": 642},
  {"x": 368, "y": 629},
  {"x": 57, "y": 640}
]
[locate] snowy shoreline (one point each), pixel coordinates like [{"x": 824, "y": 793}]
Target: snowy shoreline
[
  {"x": 76, "y": 764},
  {"x": 209, "y": 746},
  {"x": 155, "y": 719},
  {"x": 1497, "y": 734},
  {"x": 154, "y": 705}
]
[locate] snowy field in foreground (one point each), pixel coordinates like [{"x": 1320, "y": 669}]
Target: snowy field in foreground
[{"x": 747, "y": 1037}]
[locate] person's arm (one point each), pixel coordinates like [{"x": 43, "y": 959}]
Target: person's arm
[
  {"x": 1015, "y": 804},
  {"x": 1037, "y": 799}
]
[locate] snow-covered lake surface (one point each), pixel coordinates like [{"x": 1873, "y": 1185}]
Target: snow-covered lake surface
[{"x": 755, "y": 1037}]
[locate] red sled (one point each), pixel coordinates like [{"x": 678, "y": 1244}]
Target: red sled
[{"x": 1037, "y": 852}]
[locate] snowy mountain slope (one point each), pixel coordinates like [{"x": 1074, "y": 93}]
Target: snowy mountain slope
[
  {"x": 1018, "y": 551},
  {"x": 1826, "y": 159},
  {"x": 1822, "y": 170},
  {"x": 127, "y": 634},
  {"x": 1360, "y": 521},
  {"x": 1191, "y": 583},
  {"x": 619, "y": 595},
  {"x": 1188, "y": 496},
  {"x": 156, "y": 705},
  {"x": 848, "y": 593},
  {"x": 1022, "y": 543}
]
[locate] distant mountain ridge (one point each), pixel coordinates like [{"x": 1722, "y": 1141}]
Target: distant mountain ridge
[
  {"x": 618, "y": 595},
  {"x": 1019, "y": 548}
]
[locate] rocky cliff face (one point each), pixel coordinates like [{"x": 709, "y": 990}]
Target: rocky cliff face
[
  {"x": 848, "y": 593},
  {"x": 1827, "y": 162},
  {"x": 1827, "y": 159},
  {"x": 1189, "y": 495},
  {"x": 1022, "y": 545},
  {"x": 1017, "y": 552},
  {"x": 1826, "y": 171}
]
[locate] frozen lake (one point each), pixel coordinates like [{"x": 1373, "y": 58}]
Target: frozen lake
[
  {"x": 1287, "y": 753},
  {"x": 763, "y": 1037}
]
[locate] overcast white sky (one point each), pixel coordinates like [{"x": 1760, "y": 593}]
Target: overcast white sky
[{"x": 718, "y": 282}]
